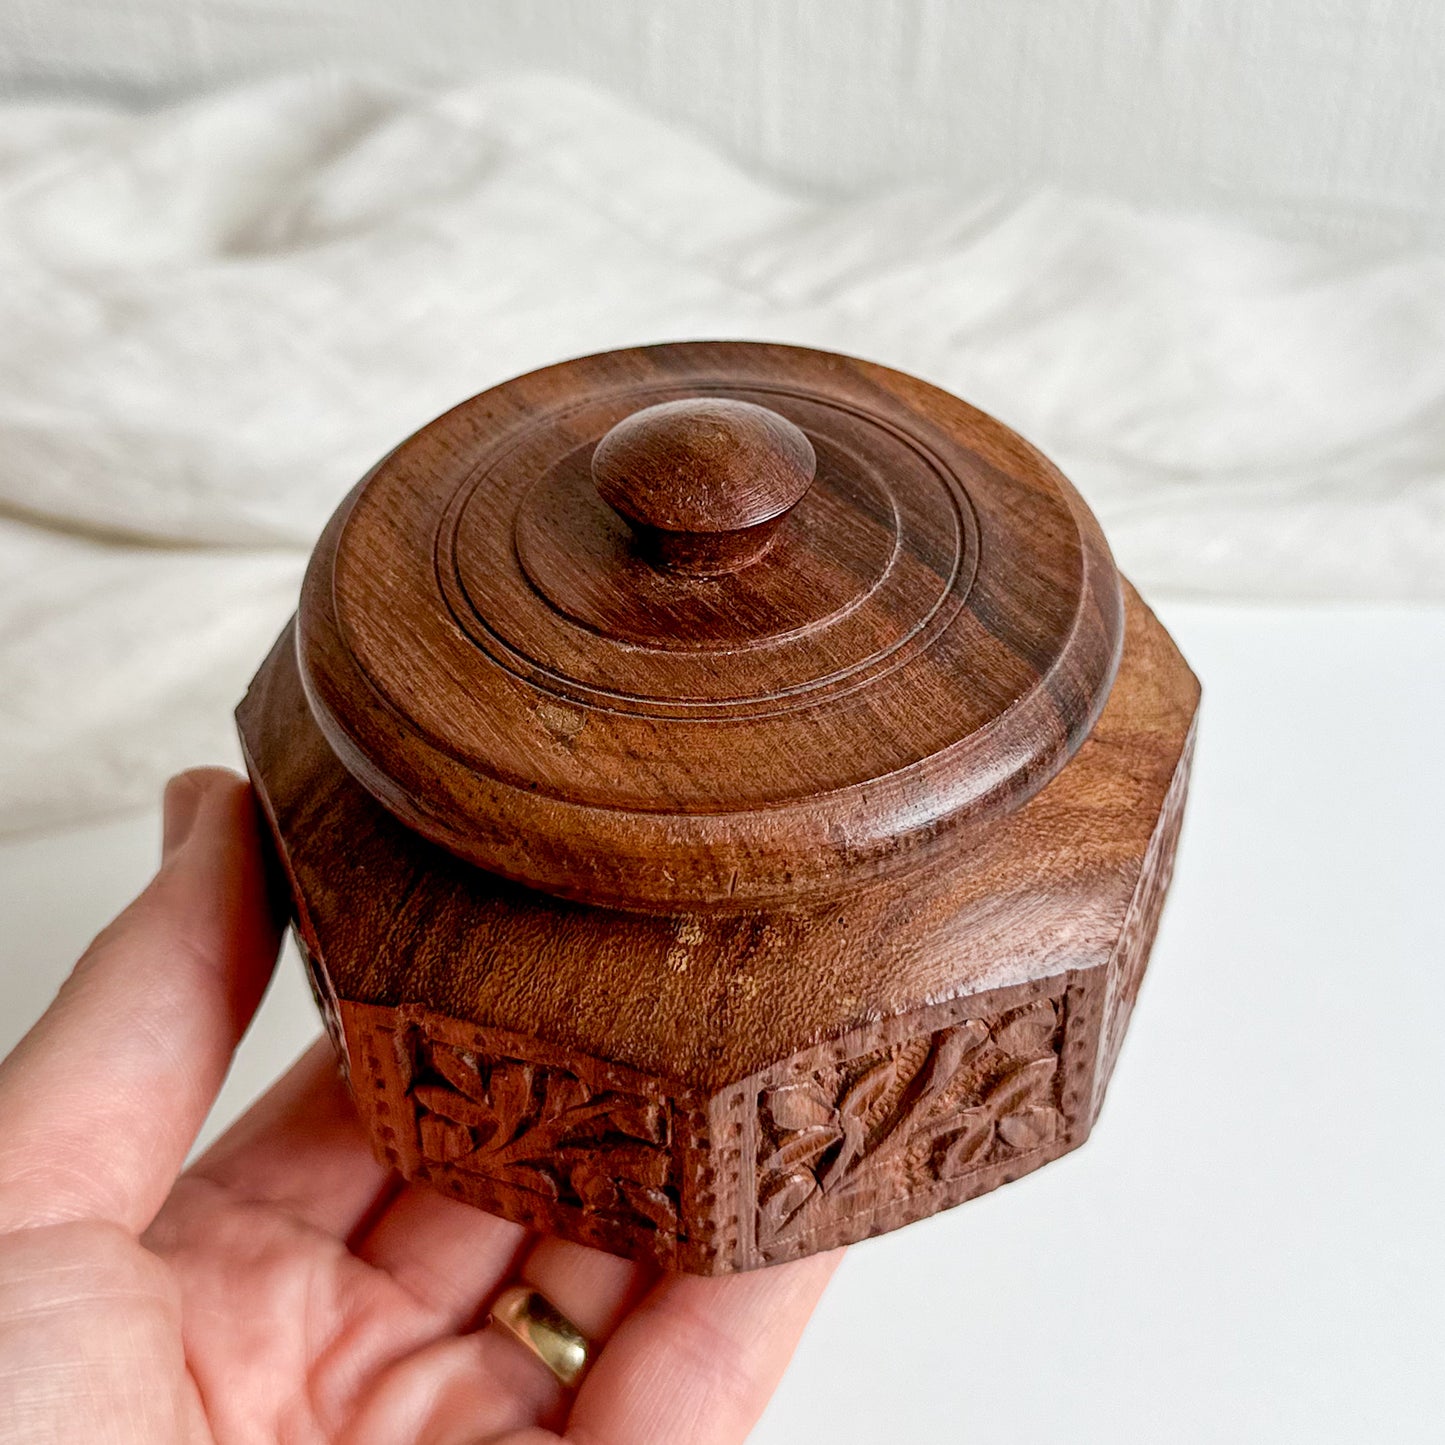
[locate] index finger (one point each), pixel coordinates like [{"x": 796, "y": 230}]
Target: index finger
[{"x": 101, "y": 1100}]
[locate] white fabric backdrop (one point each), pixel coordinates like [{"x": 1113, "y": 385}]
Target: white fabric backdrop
[
  {"x": 1315, "y": 114},
  {"x": 215, "y": 317}
]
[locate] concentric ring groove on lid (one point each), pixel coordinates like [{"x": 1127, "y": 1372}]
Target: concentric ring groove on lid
[{"x": 516, "y": 671}]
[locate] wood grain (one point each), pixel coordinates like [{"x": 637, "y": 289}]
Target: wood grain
[{"x": 500, "y": 659}]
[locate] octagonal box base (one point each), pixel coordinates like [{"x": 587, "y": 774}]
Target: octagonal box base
[{"x": 718, "y": 1092}]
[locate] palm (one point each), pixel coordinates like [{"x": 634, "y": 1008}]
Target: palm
[{"x": 285, "y": 1289}]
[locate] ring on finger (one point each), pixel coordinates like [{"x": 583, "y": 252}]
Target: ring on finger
[{"x": 531, "y": 1319}]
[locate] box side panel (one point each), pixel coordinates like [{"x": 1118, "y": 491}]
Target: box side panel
[
  {"x": 570, "y": 1145},
  {"x": 895, "y": 1122},
  {"x": 1131, "y": 954}
]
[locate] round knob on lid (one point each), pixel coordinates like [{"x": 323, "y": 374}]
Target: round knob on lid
[{"x": 704, "y": 483}]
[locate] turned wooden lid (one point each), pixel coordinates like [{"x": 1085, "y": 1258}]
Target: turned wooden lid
[{"x": 714, "y": 624}]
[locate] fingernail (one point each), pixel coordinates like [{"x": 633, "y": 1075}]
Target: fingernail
[{"x": 182, "y": 804}]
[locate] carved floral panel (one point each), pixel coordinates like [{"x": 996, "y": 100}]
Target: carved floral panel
[
  {"x": 839, "y": 1139},
  {"x": 591, "y": 1143}
]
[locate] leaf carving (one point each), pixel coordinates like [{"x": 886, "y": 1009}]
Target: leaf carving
[
  {"x": 652, "y": 1204},
  {"x": 1021, "y": 1085},
  {"x": 1029, "y": 1128},
  {"x": 442, "y": 1139},
  {"x": 855, "y": 1133},
  {"x": 953, "y": 1047},
  {"x": 631, "y": 1176},
  {"x": 538, "y": 1179},
  {"x": 593, "y": 1184},
  {"x": 800, "y": 1149},
  {"x": 564, "y": 1092},
  {"x": 869, "y": 1091},
  {"x": 636, "y": 1162},
  {"x": 799, "y": 1106},
  {"x": 460, "y": 1071},
  {"x": 545, "y": 1130},
  {"x": 1030, "y": 1031},
  {"x": 786, "y": 1197},
  {"x": 454, "y": 1106},
  {"x": 510, "y": 1090},
  {"x": 645, "y": 1120},
  {"x": 975, "y": 1092},
  {"x": 858, "y": 1109},
  {"x": 961, "y": 1149}
]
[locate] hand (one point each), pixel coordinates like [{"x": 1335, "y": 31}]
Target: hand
[{"x": 284, "y": 1288}]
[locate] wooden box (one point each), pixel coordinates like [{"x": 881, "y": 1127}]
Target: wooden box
[{"x": 727, "y": 794}]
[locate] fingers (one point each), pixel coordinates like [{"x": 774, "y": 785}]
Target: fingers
[
  {"x": 300, "y": 1147},
  {"x": 696, "y": 1361},
  {"x": 101, "y": 1100},
  {"x": 465, "y": 1390},
  {"x": 482, "y": 1386},
  {"x": 594, "y": 1290},
  {"x": 455, "y": 1258},
  {"x": 445, "y": 1254},
  {"x": 685, "y": 1358},
  {"x": 700, "y": 1358}
]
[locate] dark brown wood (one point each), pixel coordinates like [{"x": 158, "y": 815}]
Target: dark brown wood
[
  {"x": 926, "y": 749},
  {"x": 704, "y": 483},
  {"x": 707, "y": 1014},
  {"x": 927, "y": 640}
]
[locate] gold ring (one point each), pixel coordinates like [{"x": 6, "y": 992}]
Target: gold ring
[{"x": 535, "y": 1322}]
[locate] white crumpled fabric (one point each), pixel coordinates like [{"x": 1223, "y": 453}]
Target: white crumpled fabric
[{"x": 215, "y": 317}]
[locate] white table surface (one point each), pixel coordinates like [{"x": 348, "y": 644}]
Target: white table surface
[{"x": 1250, "y": 1246}]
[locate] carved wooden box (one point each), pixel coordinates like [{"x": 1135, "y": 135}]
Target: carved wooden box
[{"x": 727, "y": 794}]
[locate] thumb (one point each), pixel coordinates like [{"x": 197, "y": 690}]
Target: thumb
[{"x": 101, "y": 1100}]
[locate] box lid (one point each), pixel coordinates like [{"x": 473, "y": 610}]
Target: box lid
[{"x": 716, "y": 624}]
